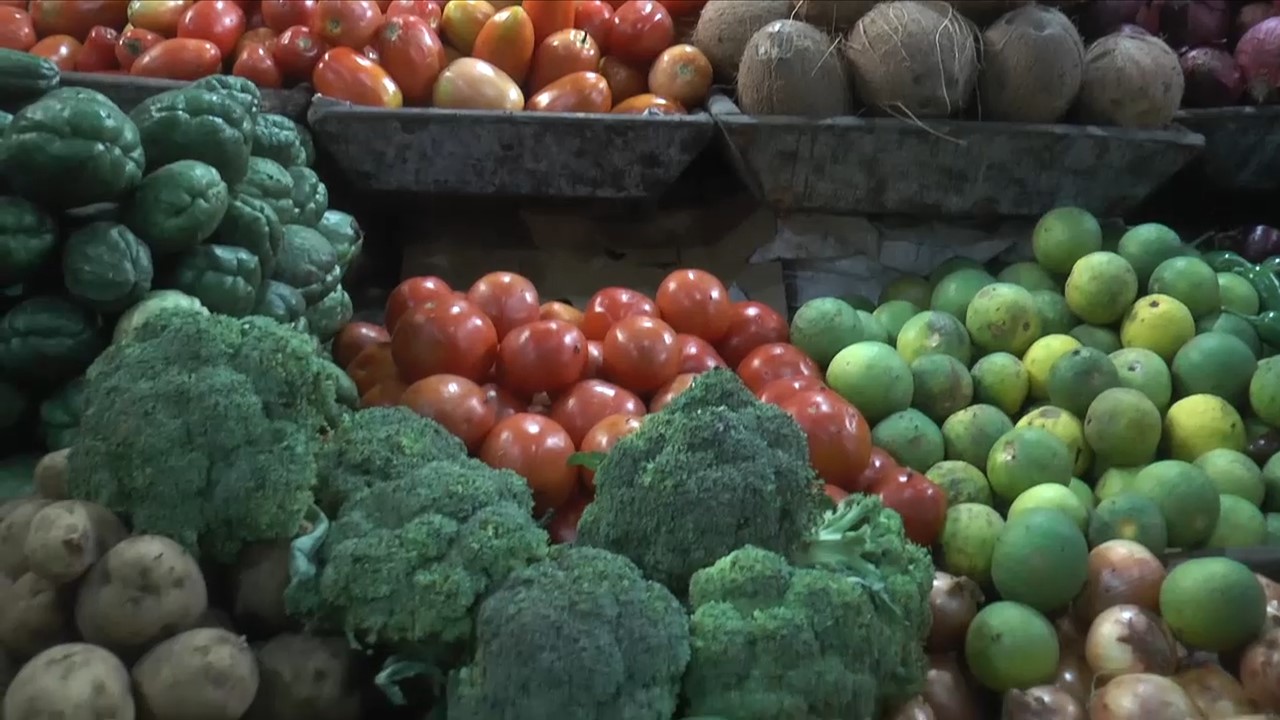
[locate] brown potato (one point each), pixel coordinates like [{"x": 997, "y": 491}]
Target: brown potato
[
  {"x": 202, "y": 674},
  {"x": 68, "y": 536},
  {"x": 75, "y": 681},
  {"x": 34, "y": 615},
  {"x": 15, "y": 520},
  {"x": 51, "y": 475},
  {"x": 304, "y": 677}
]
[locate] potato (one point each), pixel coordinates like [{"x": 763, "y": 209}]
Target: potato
[
  {"x": 15, "y": 521},
  {"x": 833, "y": 15},
  {"x": 68, "y": 536},
  {"x": 203, "y": 674},
  {"x": 789, "y": 68},
  {"x": 258, "y": 584},
  {"x": 35, "y": 614},
  {"x": 725, "y": 26},
  {"x": 143, "y": 590},
  {"x": 1032, "y": 66},
  {"x": 75, "y": 681},
  {"x": 1134, "y": 81},
  {"x": 51, "y": 475},
  {"x": 304, "y": 677}
]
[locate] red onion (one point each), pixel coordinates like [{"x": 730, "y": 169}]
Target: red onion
[
  {"x": 1260, "y": 242},
  {"x": 1213, "y": 79},
  {"x": 1252, "y": 14},
  {"x": 1258, "y": 53},
  {"x": 1189, "y": 23},
  {"x": 1104, "y": 18}
]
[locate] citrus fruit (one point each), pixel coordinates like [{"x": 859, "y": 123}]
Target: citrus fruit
[
  {"x": 911, "y": 438},
  {"x": 1101, "y": 288},
  {"x": 1041, "y": 559},
  {"x": 1158, "y": 323},
  {"x": 1000, "y": 379},
  {"x": 1123, "y": 427},
  {"x": 1197, "y": 424},
  {"x": 1067, "y": 428},
  {"x": 933, "y": 332},
  {"x": 1146, "y": 246},
  {"x": 1191, "y": 281},
  {"x": 1025, "y": 457},
  {"x": 1064, "y": 235},
  {"x": 968, "y": 538},
  {"x": 873, "y": 377},
  {"x": 1213, "y": 604},
  {"x": 1040, "y": 358},
  {"x": 1002, "y": 317},
  {"x": 969, "y": 433},
  {"x": 963, "y": 482},
  {"x": 1142, "y": 370},
  {"x": 1186, "y": 497},
  {"x": 824, "y": 326}
]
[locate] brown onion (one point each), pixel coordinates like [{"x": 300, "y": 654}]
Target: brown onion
[
  {"x": 1260, "y": 671},
  {"x": 948, "y": 692},
  {"x": 954, "y": 602},
  {"x": 1128, "y": 639},
  {"x": 1121, "y": 572},
  {"x": 1214, "y": 691},
  {"x": 1272, "y": 589},
  {"x": 1070, "y": 636},
  {"x": 1074, "y": 676},
  {"x": 1142, "y": 696},
  {"x": 914, "y": 709},
  {"x": 1042, "y": 702}
]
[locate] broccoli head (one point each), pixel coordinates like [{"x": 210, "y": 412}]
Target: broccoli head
[
  {"x": 715, "y": 470},
  {"x": 579, "y": 636},
  {"x": 204, "y": 429}
]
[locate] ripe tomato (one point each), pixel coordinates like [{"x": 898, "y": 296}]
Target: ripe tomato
[
  {"x": 603, "y": 436},
  {"x": 99, "y": 52},
  {"x": 179, "y": 59},
  {"x": 347, "y": 23},
  {"x": 772, "y": 361},
  {"x": 297, "y": 51},
  {"x": 563, "y": 52},
  {"x": 429, "y": 10},
  {"x": 455, "y": 402},
  {"x": 549, "y": 16},
  {"x": 256, "y": 64},
  {"x": 545, "y": 356},
  {"x": 650, "y": 105},
  {"x": 641, "y": 30},
  {"x": 695, "y": 302},
  {"x": 385, "y": 394},
  {"x": 412, "y": 54},
  {"x": 590, "y": 401},
  {"x": 510, "y": 300},
  {"x": 264, "y": 36},
  {"x": 836, "y": 494},
  {"x": 538, "y": 449},
  {"x": 61, "y": 50},
  {"x": 60, "y": 17},
  {"x": 580, "y": 92},
  {"x": 345, "y": 74},
  {"x": 751, "y": 324},
  {"x": 610, "y": 305},
  {"x": 556, "y": 310},
  {"x": 697, "y": 355},
  {"x": 353, "y": 338},
  {"x": 595, "y": 18},
  {"x": 625, "y": 81},
  {"x": 445, "y": 335},
  {"x": 503, "y": 402},
  {"x": 506, "y": 42},
  {"x": 461, "y": 21},
  {"x": 922, "y": 505},
  {"x": 681, "y": 73},
  {"x": 221, "y": 22},
  {"x": 775, "y": 391},
  {"x": 668, "y": 392},
  {"x": 563, "y": 527},
  {"x": 280, "y": 15},
  {"x": 375, "y": 364},
  {"x": 839, "y": 437},
  {"x": 17, "y": 32},
  {"x": 411, "y": 293},
  {"x": 595, "y": 359},
  {"x": 159, "y": 16},
  {"x": 640, "y": 353},
  {"x": 881, "y": 470},
  {"x": 16, "y": 4},
  {"x": 471, "y": 84},
  {"x": 133, "y": 44}
]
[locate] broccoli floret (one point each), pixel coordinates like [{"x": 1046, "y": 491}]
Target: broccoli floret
[
  {"x": 407, "y": 559},
  {"x": 204, "y": 428},
  {"x": 714, "y": 471},
  {"x": 580, "y": 636}
]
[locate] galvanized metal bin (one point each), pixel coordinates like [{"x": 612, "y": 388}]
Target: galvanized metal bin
[
  {"x": 127, "y": 91},
  {"x": 520, "y": 154},
  {"x": 1242, "y": 145},
  {"x": 947, "y": 168}
]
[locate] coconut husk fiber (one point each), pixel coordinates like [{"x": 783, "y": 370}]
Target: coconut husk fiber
[
  {"x": 725, "y": 26},
  {"x": 791, "y": 67},
  {"x": 1134, "y": 81},
  {"x": 1032, "y": 66}
]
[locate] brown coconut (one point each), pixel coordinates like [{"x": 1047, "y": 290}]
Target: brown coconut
[
  {"x": 725, "y": 26},
  {"x": 833, "y": 15},
  {"x": 1032, "y": 66},
  {"x": 790, "y": 68},
  {"x": 914, "y": 58},
  {"x": 1133, "y": 81}
]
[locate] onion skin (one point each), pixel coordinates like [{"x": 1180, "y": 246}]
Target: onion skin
[
  {"x": 1042, "y": 702},
  {"x": 1258, "y": 54},
  {"x": 1127, "y": 639},
  {"x": 1121, "y": 572},
  {"x": 1214, "y": 691},
  {"x": 915, "y": 709},
  {"x": 954, "y": 602},
  {"x": 1259, "y": 243},
  {"x": 1213, "y": 78},
  {"x": 1260, "y": 672},
  {"x": 1074, "y": 676},
  {"x": 1142, "y": 696},
  {"x": 1252, "y": 14},
  {"x": 1189, "y": 23},
  {"x": 948, "y": 692}
]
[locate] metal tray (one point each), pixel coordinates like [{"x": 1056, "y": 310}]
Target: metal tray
[
  {"x": 520, "y": 154},
  {"x": 127, "y": 91},
  {"x": 1242, "y": 145},
  {"x": 947, "y": 168}
]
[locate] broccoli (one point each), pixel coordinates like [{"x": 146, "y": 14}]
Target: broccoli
[
  {"x": 204, "y": 429},
  {"x": 579, "y": 636},
  {"x": 715, "y": 470}
]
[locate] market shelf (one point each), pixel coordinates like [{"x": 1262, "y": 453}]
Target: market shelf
[
  {"x": 520, "y": 154},
  {"x": 947, "y": 168},
  {"x": 1242, "y": 145},
  {"x": 127, "y": 91}
]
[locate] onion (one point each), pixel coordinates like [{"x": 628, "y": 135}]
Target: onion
[
  {"x": 1128, "y": 639},
  {"x": 1070, "y": 637},
  {"x": 1131, "y": 29},
  {"x": 1258, "y": 53},
  {"x": 1142, "y": 696},
  {"x": 1121, "y": 572},
  {"x": 1213, "y": 79},
  {"x": 954, "y": 602},
  {"x": 1260, "y": 242},
  {"x": 1214, "y": 691},
  {"x": 1252, "y": 14},
  {"x": 948, "y": 692},
  {"x": 1042, "y": 702},
  {"x": 1260, "y": 671},
  {"x": 1104, "y": 18},
  {"x": 914, "y": 709},
  {"x": 1188, "y": 23},
  {"x": 1074, "y": 676}
]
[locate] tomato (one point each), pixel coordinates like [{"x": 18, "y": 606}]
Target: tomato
[
  {"x": 697, "y": 355},
  {"x": 595, "y": 359},
  {"x": 280, "y": 15},
  {"x": 881, "y": 469},
  {"x": 347, "y": 75},
  {"x": 510, "y": 300},
  {"x": 839, "y": 437},
  {"x": 751, "y": 324},
  {"x": 264, "y": 36},
  {"x": 99, "y": 52},
  {"x": 649, "y": 104},
  {"x": 549, "y": 16},
  {"x": 411, "y": 293},
  {"x": 412, "y": 54},
  {"x": 772, "y": 361},
  {"x": 580, "y": 92},
  {"x": 61, "y": 50},
  {"x": 603, "y": 436},
  {"x": 641, "y": 30},
  {"x": 590, "y": 401},
  {"x": 256, "y": 64},
  {"x": 563, "y": 527},
  {"x": 221, "y": 22},
  {"x": 461, "y": 21},
  {"x": 625, "y": 81},
  {"x": 538, "y": 449},
  {"x": 563, "y": 52},
  {"x": 429, "y": 10},
  {"x": 640, "y": 353},
  {"x": 503, "y": 402},
  {"x": 556, "y": 310},
  {"x": 668, "y": 392},
  {"x": 445, "y": 335},
  {"x": 836, "y": 494},
  {"x": 15, "y": 4},
  {"x": 922, "y": 505},
  {"x": 542, "y": 356},
  {"x": 681, "y": 73},
  {"x": 385, "y": 394},
  {"x": 347, "y": 23},
  {"x": 159, "y": 16},
  {"x": 17, "y": 32},
  {"x": 595, "y": 18},
  {"x": 695, "y": 302},
  {"x": 775, "y": 391},
  {"x": 353, "y": 338},
  {"x": 297, "y": 51},
  {"x": 471, "y": 84},
  {"x": 683, "y": 8},
  {"x": 134, "y": 42},
  {"x": 62, "y": 17},
  {"x": 375, "y": 364},
  {"x": 506, "y": 42},
  {"x": 610, "y": 305},
  {"x": 455, "y": 402},
  {"x": 179, "y": 59}
]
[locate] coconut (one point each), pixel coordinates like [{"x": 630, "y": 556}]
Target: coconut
[
  {"x": 915, "y": 58},
  {"x": 725, "y": 26},
  {"x": 1032, "y": 66},
  {"x": 1133, "y": 81},
  {"x": 833, "y": 15},
  {"x": 790, "y": 68}
]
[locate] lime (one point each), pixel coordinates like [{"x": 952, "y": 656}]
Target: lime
[
  {"x": 963, "y": 482},
  {"x": 1234, "y": 473},
  {"x": 933, "y": 332},
  {"x": 873, "y": 377},
  {"x": 1025, "y": 457},
  {"x": 1129, "y": 517},
  {"x": 1002, "y": 317},
  {"x": 1001, "y": 380},
  {"x": 1213, "y": 604},
  {"x": 968, "y": 538},
  {"x": 1054, "y": 497},
  {"x": 1199, "y": 423},
  {"x": 1186, "y": 497},
  {"x": 1238, "y": 296},
  {"x": 893, "y": 315},
  {"x": 1191, "y": 281},
  {"x": 1264, "y": 391},
  {"x": 1064, "y": 235},
  {"x": 1146, "y": 246},
  {"x": 1240, "y": 524},
  {"x": 1142, "y": 370},
  {"x": 1040, "y": 358},
  {"x": 824, "y": 326},
  {"x": 1159, "y": 323},
  {"x": 1102, "y": 338},
  {"x": 1010, "y": 646},
  {"x": 1041, "y": 559},
  {"x": 1028, "y": 275},
  {"x": 907, "y": 288},
  {"x": 1101, "y": 288}
]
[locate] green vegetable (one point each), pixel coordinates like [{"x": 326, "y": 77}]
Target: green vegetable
[
  {"x": 60, "y": 415},
  {"x": 310, "y": 196},
  {"x": 279, "y": 138},
  {"x": 48, "y": 340},
  {"x": 224, "y": 279},
  {"x": 106, "y": 266},
  {"x": 71, "y": 150},
  {"x": 326, "y": 318},
  {"x": 195, "y": 124},
  {"x": 579, "y": 635},
  {"x": 5, "y": 119},
  {"x": 1262, "y": 277},
  {"x": 307, "y": 262},
  {"x": 270, "y": 182},
  {"x": 23, "y": 74},
  {"x": 343, "y": 233},
  {"x": 28, "y": 240},
  {"x": 1267, "y": 325},
  {"x": 155, "y": 301},
  {"x": 281, "y": 303},
  {"x": 14, "y": 405},
  {"x": 251, "y": 224},
  {"x": 237, "y": 88},
  {"x": 178, "y": 206}
]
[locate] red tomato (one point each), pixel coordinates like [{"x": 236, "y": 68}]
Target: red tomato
[
  {"x": 591, "y": 401},
  {"x": 161, "y": 16},
  {"x": 773, "y": 361},
  {"x": 445, "y": 335},
  {"x": 668, "y": 392},
  {"x": 564, "y": 52},
  {"x": 503, "y": 402},
  {"x": 62, "y": 17},
  {"x": 542, "y": 356},
  {"x": 510, "y": 300},
  {"x": 649, "y": 105},
  {"x": 556, "y": 310},
  {"x": 595, "y": 359},
  {"x": 345, "y": 74},
  {"x": 385, "y": 394},
  {"x": 836, "y": 494},
  {"x": 61, "y": 50},
  {"x": 179, "y": 59},
  {"x": 506, "y": 42},
  {"x": 625, "y": 81},
  {"x": 455, "y": 402},
  {"x": 411, "y": 293},
  {"x": 347, "y": 23},
  {"x": 683, "y": 8},
  {"x": 462, "y": 20},
  {"x": 775, "y": 391},
  {"x": 881, "y": 470},
  {"x": 922, "y": 505},
  {"x": 580, "y": 92},
  {"x": 133, "y": 44},
  {"x": 640, "y": 353},
  {"x": 563, "y": 527},
  {"x": 682, "y": 73},
  {"x": 221, "y": 22},
  {"x": 594, "y": 17},
  {"x": 264, "y": 36},
  {"x": 603, "y": 436},
  {"x": 412, "y": 54},
  {"x": 549, "y": 16},
  {"x": 697, "y": 355},
  {"x": 17, "y": 32},
  {"x": 641, "y": 30},
  {"x": 353, "y": 338},
  {"x": 610, "y": 305},
  {"x": 256, "y": 64},
  {"x": 751, "y": 324},
  {"x": 538, "y": 449},
  {"x": 99, "y": 52},
  {"x": 373, "y": 366},
  {"x": 297, "y": 51},
  {"x": 280, "y": 15},
  {"x": 428, "y": 10},
  {"x": 839, "y": 437},
  {"x": 16, "y": 4},
  {"x": 695, "y": 302}
]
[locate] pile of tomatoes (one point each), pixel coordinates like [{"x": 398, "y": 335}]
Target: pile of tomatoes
[{"x": 525, "y": 383}]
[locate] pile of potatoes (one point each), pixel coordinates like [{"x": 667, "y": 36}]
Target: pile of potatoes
[
  {"x": 1004, "y": 60},
  {"x": 97, "y": 623}
]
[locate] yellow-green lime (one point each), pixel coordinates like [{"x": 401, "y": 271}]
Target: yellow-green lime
[
  {"x": 1028, "y": 275},
  {"x": 1025, "y": 457},
  {"x": 1000, "y": 379},
  {"x": 1067, "y": 428},
  {"x": 943, "y": 386},
  {"x": 1064, "y": 235},
  {"x": 1234, "y": 473},
  {"x": 1237, "y": 295},
  {"x": 1129, "y": 517},
  {"x": 1190, "y": 280},
  {"x": 1273, "y": 530},
  {"x": 1231, "y": 325},
  {"x": 968, "y": 538},
  {"x": 1094, "y": 336},
  {"x": 1040, "y": 559},
  {"x": 1214, "y": 604},
  {"x": 1080, "y": 376},
  {"x": 1123, "y": 427},
  {"x": 1083, "y": 492},
  {"x": 963, "y": 482},
  {"x": 1010, "y": 646},
  {"x": 1271, "y": 479},
  {"x": 859, "y": 301},
  {"x": 1144, "y": 371},
  {"x": 1055, "y": 316},
  {"x": 1040, "y": 358},
  {"x": 1186, "y": 497},
  {"x": 893, "y": 315},
  {"x": 1159, "y": 323},
  {"x": 933, "y": 332},
  {"x": 950, "y": 265},
  {"x": 911, "y": 438},
  {"x": 1002, "y": 317},
  {"x": 1115, "y": 481},
  {"x": 969, "y": 433},
  {"x": 907, "y": 288},
  {"x": 1054, "y": 497},
  {"x": 1240, "y": 524},
  {"x": 872, "y": 328},
  {"x": 1101, "y": 287},
  {"x": 1146, "y": 246},
  {"x": 873, "y": 377},
  {"x": 824, "y": 326},
  {"x": 1264, "y": 391},
  {"x": 1197, "y": 424},
  {"x": 955, "y": 291}
]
